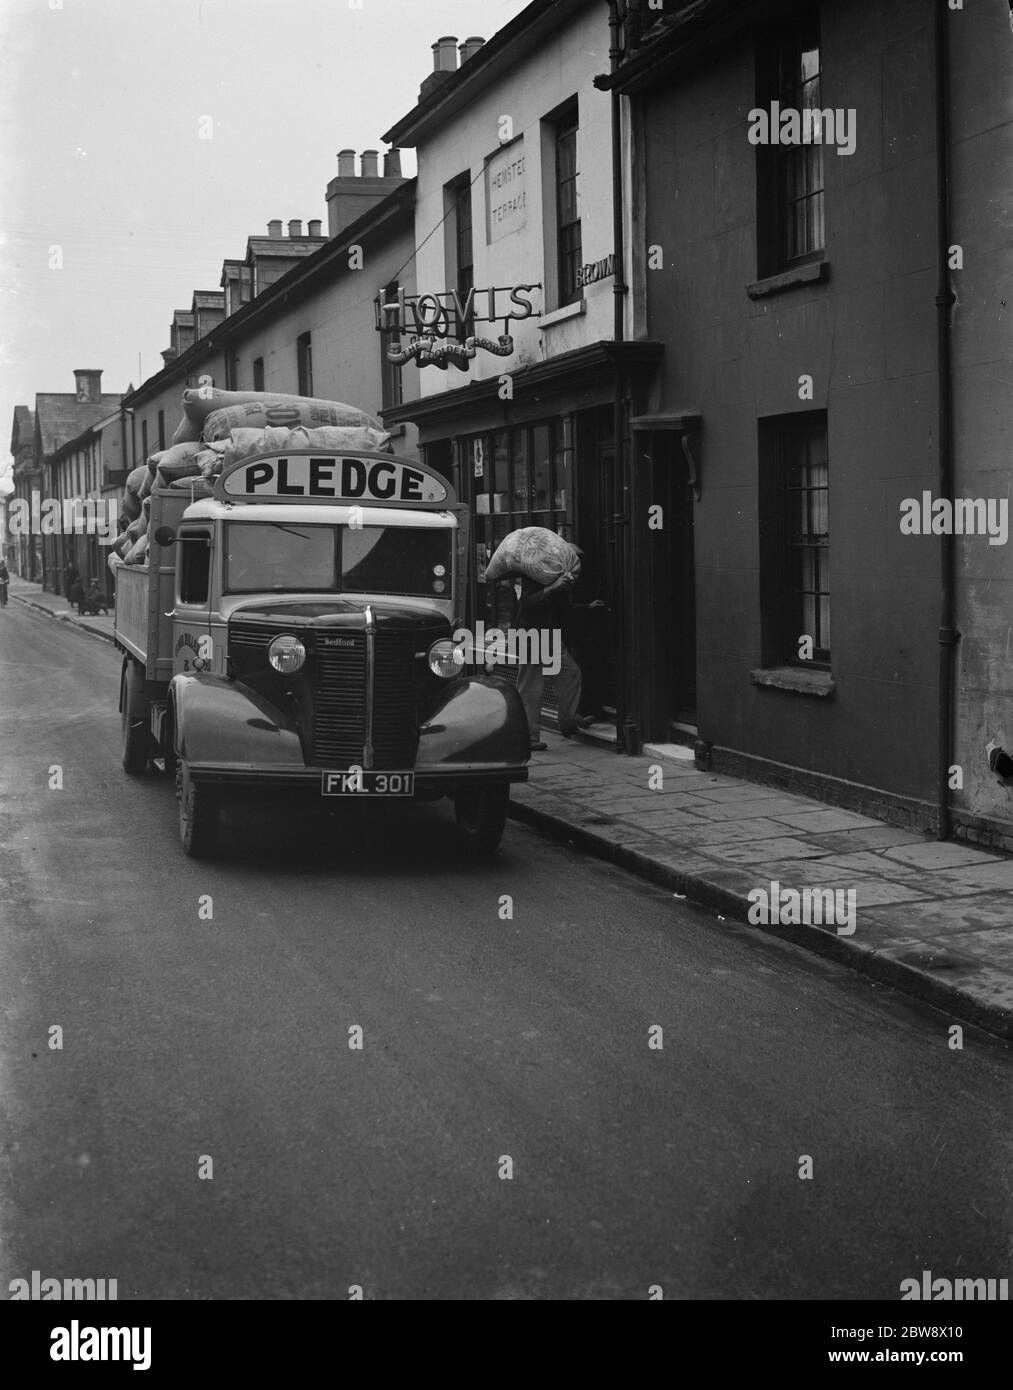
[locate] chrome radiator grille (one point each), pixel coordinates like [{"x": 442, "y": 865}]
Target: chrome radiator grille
[{"x": 335, "y": 733}]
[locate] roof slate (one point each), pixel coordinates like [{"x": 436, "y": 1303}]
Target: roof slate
[{"x": 61, "y": 417}]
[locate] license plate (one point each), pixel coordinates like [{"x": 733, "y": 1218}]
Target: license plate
[{"x": 367, "y": 783}]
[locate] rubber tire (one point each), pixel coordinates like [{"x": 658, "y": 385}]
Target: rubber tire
[
  {"x": 199, "y": 808},
  {"x": 138, "y": 745},
  {"x": 481, "y": 814}
]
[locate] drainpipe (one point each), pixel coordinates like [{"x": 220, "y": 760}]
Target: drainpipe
[
  {"x": 627, "y": 735},
  {"x": 945, "y": 299}
]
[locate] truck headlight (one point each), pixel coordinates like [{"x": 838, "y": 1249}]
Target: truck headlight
[
  {"x": 286, "y": 654},
  {"x": 446, "y": 659}
]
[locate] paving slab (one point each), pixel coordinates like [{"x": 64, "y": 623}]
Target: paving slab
[
  {"x": 941, "y": 855},
  {"x": 933, "y": 920}
]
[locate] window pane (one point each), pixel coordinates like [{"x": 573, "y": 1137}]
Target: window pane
[
  {"x": 561, "y": 470},
  {"x": 519, "y": 493},
  {"x": 396, "y": 560},
  {"x": 540, "y": 468},
  {"x": 806, "y": 501}
]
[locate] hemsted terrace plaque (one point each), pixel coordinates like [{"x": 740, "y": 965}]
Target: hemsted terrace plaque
[{"x": 505, "y": 191}]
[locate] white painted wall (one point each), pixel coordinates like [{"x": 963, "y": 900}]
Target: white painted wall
[{"x": 546, "y": 79}]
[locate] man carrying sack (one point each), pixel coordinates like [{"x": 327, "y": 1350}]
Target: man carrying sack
[
  {"x": 548, "y": 609},
  {"x": 547, "y": 567}
]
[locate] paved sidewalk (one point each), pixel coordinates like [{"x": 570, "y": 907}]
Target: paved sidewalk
[
  {"x": 57, "y": 606},
  {"x": 934, "y": 920}
]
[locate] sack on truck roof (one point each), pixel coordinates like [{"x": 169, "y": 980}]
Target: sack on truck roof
[
  {"x": 259, "y": 409},
  {"x": 243, "y": 442}
]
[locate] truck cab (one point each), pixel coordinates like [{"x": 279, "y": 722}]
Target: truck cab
[{"x": 310, "y": 640}]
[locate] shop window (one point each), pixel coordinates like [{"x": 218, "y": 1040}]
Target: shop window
[
  {"x": 795, "y": 540},
  {"x": 519, "y": 478}
]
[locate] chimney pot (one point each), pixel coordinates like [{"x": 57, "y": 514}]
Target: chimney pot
[
  {"x": 370, "y": 164},
  {"x": 274, "y": 228},
  {"x": 392, "y": 164},
  {"x": 313, "y": 226},
  {"x": 346, "y": 164},
  {"x": 469, "y": 48},
  {"x": 295, "y": 227},
  {"x": 445, "y": 54}
]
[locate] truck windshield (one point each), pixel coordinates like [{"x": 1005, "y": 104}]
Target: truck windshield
[{"x": 278, "y": 557}]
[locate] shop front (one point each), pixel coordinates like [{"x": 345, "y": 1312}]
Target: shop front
[{"x": 548, "y": 457}]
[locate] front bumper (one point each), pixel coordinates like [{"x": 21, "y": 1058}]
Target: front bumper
[
  {"x": 475, "y": 735},
  {"x": 429, "y": 782}
]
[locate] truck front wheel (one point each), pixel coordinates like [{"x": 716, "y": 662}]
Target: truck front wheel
[
  {"x": 199, "y": 808},
  {"x": 481, "y": 814},
  {"x": 138, "y": 745}
]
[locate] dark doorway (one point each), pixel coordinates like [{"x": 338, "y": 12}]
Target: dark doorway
[
  {"x": 675, "y": 581},
  {"x": 594, "y": 644}
]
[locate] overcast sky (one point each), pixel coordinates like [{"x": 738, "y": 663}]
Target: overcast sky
[{"x": 101, "y": 103}]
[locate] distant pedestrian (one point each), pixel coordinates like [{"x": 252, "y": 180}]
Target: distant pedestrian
[
  {"x": 4, "y": 581},
  {"x": 70, "y": 578},
  {"x": 77, "y": 595}
]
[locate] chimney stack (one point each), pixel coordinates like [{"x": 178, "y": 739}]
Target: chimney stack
[
  {"x": 349, "y": 197},
  {"x": 445, "y": 55},
  {"x": 444, "y": 66},
  {"x": 313, "y": 227},
  {"x": 274, "y": 228},
  {"x": 469, "y": 48},
  {"x": 295, "y": 227},
  {"x": 88, "y": 383}
]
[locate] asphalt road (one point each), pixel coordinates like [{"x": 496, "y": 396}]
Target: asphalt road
[{"x": 483, "y": 1038}]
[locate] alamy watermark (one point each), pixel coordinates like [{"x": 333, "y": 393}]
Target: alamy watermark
[
  {"x": 68, "y": 516},
  {"x": 957, "y": 1290},
  {"x": 784, "y": 125},
  {"x": 963, "y": 516},
  {"x": 777, "y": 906},
  {"x": 48, "y": 1289},
  {"x": 511, "y": 646}
]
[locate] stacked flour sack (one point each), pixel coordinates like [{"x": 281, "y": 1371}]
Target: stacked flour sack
[
  {"x": 220, "y": 427},
  {"x": 536, "y": 553}
]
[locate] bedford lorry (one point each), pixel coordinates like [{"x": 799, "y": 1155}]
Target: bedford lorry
[{"x": 296, "y": 632}]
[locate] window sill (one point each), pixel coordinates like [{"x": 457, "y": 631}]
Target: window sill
[
  {"x": 568, "y": 311},
  {"x": 808, "y": 274},
  {"x": 395, "y": 431},
  {"x": 796, "y": 680}
]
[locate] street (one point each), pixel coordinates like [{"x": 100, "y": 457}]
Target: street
[{"x": 195, "y": 1029}]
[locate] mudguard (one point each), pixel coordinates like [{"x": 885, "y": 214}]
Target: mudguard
[
  {"x": 477, "y": 720},
  {"x": 221, "y": 724}
]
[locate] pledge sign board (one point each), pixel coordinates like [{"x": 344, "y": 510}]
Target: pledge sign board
[{"x": 311, "y": 477}]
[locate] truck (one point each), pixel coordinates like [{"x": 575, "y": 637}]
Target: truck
[{"x": 300, "y": 631}]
